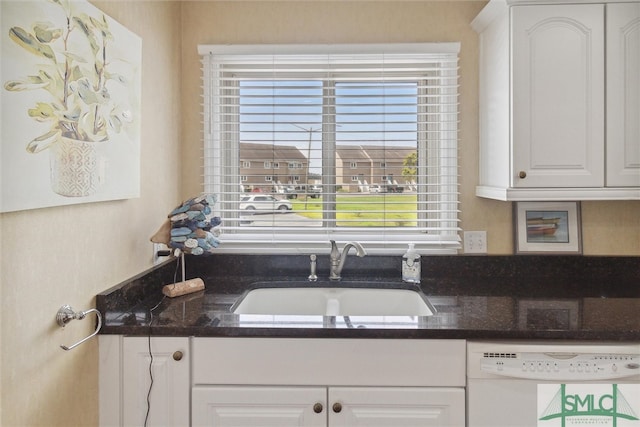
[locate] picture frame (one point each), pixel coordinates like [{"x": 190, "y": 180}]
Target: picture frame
[
  {"x": 70, "y": 106},
  {"x": 547, "y": 228}
]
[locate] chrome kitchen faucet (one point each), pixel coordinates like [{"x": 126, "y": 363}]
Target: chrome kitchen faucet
[{"x": 337, "y": 259}]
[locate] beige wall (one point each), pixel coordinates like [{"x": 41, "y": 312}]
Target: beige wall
[
  {"x": 609, "y": 228},
  {"x": 66, "y": 255}
]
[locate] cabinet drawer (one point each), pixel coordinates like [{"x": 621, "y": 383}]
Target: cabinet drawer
[{"x": 302, "y": 361}]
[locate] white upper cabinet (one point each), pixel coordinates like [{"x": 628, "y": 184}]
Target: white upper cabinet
[
  {"x": 558, "y": 95},
  {"x": 558, "y": 118},
  {"x": 623, "y": 94}
]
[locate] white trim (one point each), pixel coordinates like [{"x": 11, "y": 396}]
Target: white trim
[
  {"x": 491, "y": 11},
  {"x": 557, "y": 194},
  {"x": 321, "y": 49},
  {"x": 556, "y": 2}
]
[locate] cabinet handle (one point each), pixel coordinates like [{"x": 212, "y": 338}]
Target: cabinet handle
[
  {"x": 522, "y": 174},
  {"x": 317, "y": 408},
  {"x": 337, "y": 407},
  {"x": 177, "y": 356}
]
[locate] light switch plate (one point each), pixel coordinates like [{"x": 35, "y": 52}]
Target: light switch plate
[{"x": 475, "y": 242}]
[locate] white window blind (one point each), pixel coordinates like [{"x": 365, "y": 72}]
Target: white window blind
[{"x": 355, "y": 142}]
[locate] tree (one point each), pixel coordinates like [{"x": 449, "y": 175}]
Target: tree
[{"x": 410, "y": 166}]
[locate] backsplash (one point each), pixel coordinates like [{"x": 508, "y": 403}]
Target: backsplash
[{"x": 519, "y": 276}]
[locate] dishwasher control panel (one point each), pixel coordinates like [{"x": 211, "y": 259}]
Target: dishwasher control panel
[{"x": 561, "y": 365}]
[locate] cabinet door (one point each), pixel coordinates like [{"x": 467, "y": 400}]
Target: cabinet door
[
  {"x": 244, "y": 406},
  {"x": 558, "y": 95},
  {"x": 169, "y": 397},
  {"x": 623, "y": 95},
  {"x": 396, "y": 407}
]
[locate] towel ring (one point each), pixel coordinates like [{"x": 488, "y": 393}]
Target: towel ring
[{"x": 66, "y": 315}]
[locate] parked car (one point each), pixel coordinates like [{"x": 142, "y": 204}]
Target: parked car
[
  {"x": 393, "y": 188},
  {"x": 312, "y": 191},
  {"x": 315, "y": 191},
  {"x": 264, "y": 203},
  {"x": 291, "y": 192},
  {"x": 386, "y": 188}
]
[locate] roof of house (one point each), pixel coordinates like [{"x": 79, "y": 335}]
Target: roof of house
[
  {"x": 268, "y": 151},
  {"x": 348, "y": 153},
  {"x": 351, "y": 153},
  {"x": 373, "y": 152}
]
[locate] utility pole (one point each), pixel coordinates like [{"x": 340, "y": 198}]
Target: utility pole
[{"x": 310, "y": 130}]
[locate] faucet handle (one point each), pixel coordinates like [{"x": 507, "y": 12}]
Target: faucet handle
[
  {"x": 312, "y": 275},
  {"x": 335, "y": 253}
]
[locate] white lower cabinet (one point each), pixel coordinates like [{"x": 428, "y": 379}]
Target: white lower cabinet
[
  {"x": 226, "y": 406},
  {"x": 246, "y": 406},
  {"x": 281, "y": 382},
  {"x": 127, "y": 395},
  {"x": 328, "y": 382},
  {"x": 168, "y": 396},
  {"x": 397, "y": 407}
]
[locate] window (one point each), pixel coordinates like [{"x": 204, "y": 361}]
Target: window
[{"x": 388, "y": 111}]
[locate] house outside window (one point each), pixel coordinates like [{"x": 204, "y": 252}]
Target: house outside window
[{"x": 387, "y": 111}]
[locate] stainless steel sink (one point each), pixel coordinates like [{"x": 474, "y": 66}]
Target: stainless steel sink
[{"x": 334, "y": 301}]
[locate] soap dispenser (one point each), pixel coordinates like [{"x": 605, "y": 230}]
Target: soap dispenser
[{"x": 411, "y": 265}]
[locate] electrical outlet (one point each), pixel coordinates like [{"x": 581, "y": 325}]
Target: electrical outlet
[
  {"x": 475, "y": 242},
  {"x": 157, "y": 248}
]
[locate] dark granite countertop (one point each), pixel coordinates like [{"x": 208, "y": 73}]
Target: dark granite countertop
[{"x": 579, "y": 298}]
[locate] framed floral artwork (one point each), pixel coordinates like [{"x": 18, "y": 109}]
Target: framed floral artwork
[
  {"x": 70, "y": 105},
  {"x": 547, "y": 227}
]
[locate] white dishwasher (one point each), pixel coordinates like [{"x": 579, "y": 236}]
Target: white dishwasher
[{"x": 516, "y": 384}]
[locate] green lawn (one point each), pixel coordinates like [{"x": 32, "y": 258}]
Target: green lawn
[{"x": 354, "y": 210}]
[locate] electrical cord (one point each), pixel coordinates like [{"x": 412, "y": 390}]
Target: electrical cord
[{"x": 146, "y": 417}]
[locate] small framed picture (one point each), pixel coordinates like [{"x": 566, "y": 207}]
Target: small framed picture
[{"x": 547, "y": 227}]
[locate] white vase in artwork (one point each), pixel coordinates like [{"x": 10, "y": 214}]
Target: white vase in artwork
[{"x": 77, "y": 170}]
